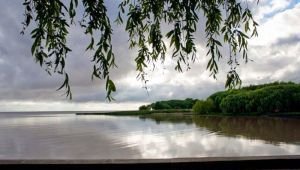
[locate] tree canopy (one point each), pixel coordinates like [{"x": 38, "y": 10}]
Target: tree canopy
[
  {"x": 265, "y": 98},
  {"x": 170, "y": 104},
  {"x": 226, "y": 22}
]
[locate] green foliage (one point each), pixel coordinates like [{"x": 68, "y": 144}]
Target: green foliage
[
  {"x": 265, "y": 98},
  {"x": 218, "y": 97},
  {"x": 259, "y": 86},
  {"x": 144, "y": 21},
  {"x": 173, "y": 104},
  {"x": 204, "y": 107},
  {"x": 296, "y": 102},
  {"x": 145, "y": 107}
]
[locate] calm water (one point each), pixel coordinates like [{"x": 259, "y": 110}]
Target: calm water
[{"x": 67, "y": 136}]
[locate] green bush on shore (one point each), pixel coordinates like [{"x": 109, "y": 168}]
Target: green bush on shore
[
  {"x": 204, "y": 107},
  {"x": 265, "y": 98},
  {"x": 145, "y": 107},
  {"x": 170, "y": 104}
]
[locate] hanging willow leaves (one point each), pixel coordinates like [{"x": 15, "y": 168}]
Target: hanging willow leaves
[{"x": 227, "y": 21}]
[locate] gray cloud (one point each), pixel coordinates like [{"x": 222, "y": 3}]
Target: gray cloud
[
  {"x": 291, "y": 40},
  {"x": 22, "y": 78}
]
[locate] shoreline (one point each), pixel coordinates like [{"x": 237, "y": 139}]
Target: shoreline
[
  {"x": 138, "y": 112},
  {"x": 295, "y": 115}
]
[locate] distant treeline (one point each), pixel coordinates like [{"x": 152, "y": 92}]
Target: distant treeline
[
  {"x": 264, "y": 98},
  {"x": 170, "y": 104}
]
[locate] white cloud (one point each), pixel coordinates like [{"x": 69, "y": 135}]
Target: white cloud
[
  {"x": 282, "y": 25},
  {"x": 276, "y": 50},
  {"x": 269, "y": 7}
]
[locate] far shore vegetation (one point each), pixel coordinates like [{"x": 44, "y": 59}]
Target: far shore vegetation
[
  {"x": 273, "y": 99},
  {"x": 139, "y": 112},
  {"x": 277, "y": 97}
]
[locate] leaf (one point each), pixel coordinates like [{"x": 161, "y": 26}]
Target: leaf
[
  {"x": 34, "y": 46},
  {"x": 143, "y": 26},
  {"x": 112, "y": 86},
  {"x": 65, "y": 83},
  {"x": 218, "y": 42},
  {"x": 209, "y": 63}
]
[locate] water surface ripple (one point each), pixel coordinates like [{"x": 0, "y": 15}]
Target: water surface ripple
[{"x": 67, "y": 136}]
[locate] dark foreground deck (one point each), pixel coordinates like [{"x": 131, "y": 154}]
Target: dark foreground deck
[{"x": 265, "y": 162}]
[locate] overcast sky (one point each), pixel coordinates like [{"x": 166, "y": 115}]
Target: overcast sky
[{"x": 24, "y": 86}]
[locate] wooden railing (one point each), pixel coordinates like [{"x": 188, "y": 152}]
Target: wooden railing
[{"x": 261, "y": 162}]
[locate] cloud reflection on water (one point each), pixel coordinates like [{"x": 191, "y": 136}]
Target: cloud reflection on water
[
  {"x": 65, "y": 136},
  {"x": 196, "y": 144}
]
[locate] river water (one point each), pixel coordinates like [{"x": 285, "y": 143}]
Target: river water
[{"x": 67, "y": 136}]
